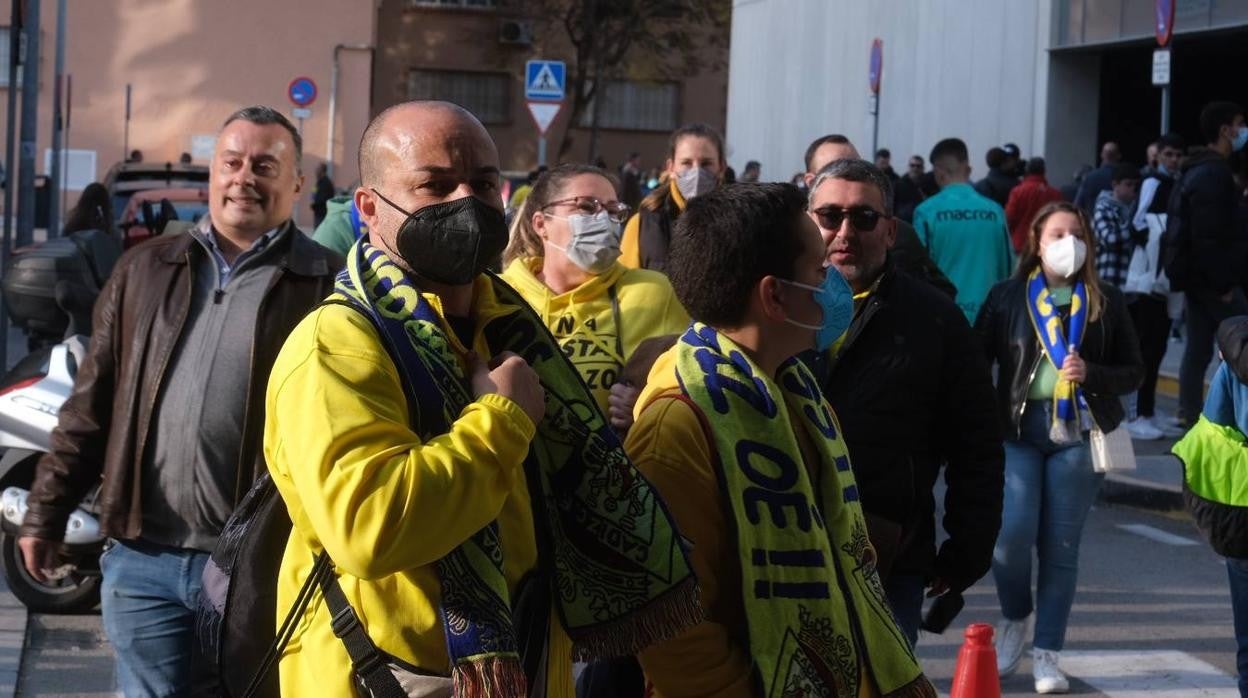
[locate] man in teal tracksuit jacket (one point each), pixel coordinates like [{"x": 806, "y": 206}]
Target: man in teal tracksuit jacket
[{"x": 965, "y": 232}]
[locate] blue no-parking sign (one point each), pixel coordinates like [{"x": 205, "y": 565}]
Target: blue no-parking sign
[{"x": 302, "y": 92}]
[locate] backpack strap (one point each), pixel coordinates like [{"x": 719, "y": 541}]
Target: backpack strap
[
  {"x": 368, "y": 662},
  {"x": 319, "y": 569}
]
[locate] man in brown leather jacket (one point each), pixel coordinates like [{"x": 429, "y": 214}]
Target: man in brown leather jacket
[{"x": 168, "y": 407}]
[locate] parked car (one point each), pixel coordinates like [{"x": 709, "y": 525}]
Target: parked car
[
  {"x": 147, "y": 208},
  {"x": 124, "y": 179}
]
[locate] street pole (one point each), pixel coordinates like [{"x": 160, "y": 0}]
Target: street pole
[
  {"x": 600, "y": 85},
  {"x": 333, "y": 101},
  {"x": 6, "y": 243},
  {"x": 30, "y": 128},
  {"x": 58, "y": 170},
  {"x": 875, "y": 129},
  {"x": 1165, "y": 109},
  {"x": 125, "y": 136},
  {"x": 69, "y": 109}
]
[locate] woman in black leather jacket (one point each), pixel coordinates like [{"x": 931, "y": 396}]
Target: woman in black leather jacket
[{"x": 1047, "y": 407}]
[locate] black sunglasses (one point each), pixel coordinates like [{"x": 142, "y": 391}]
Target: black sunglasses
[{"x": 862, "y": 218}]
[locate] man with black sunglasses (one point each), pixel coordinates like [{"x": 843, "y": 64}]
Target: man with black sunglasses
[
  {"x": 913, "y": 392},
  {"x": 907, "y": 251}
]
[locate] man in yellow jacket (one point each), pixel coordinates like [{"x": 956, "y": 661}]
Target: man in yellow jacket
[
  {"x": 735, "y": 432},
  {"x": 406, "y": 454}
]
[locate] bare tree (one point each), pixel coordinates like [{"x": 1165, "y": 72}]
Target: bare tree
[{"x": 637, "y": 39}]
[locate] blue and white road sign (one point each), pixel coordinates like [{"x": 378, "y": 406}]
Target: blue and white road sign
[{"x": 545, "y": 80}]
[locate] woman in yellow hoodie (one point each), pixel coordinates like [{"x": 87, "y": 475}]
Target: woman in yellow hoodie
[
  {"x": 695, "y": 166},
  {"x": 563, "y": 260}
]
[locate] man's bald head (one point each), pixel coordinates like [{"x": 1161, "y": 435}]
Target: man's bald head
[
  {"x": 420, "y": 154},
  {"x": 386, "y": 132}
]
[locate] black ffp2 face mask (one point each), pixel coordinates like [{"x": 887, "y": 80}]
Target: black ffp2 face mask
[{"x": 452, "y": 242}]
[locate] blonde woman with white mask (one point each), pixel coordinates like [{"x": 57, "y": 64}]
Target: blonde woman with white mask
[
  {"x": 1066, "y": 352},
  {"x": 563, "y": 259}
]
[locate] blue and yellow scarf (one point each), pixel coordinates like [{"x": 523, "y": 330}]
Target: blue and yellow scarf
[
  {"x": 620, "y": 579},
  {"x": 1070, "y": 418},
  {"x": 818, "y": 620}
]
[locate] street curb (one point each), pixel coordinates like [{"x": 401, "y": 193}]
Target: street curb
[
  {"x": 14, "y": 620},
  {"x": 1134, "y": 493},
  {"x": 1168, "y": 385}
]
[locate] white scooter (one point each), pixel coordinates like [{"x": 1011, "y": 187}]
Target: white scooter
[{"x": 31, "y": 395}]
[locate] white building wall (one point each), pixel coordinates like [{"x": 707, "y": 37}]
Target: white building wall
[{"x": 974, "y": 69}]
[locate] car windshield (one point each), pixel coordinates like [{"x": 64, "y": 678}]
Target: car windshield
[
  {"x": 187, "y": 210},
  {"x": 190, "y": 210}
]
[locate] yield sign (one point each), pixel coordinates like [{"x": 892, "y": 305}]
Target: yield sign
[{"x": 544, "y": 114}]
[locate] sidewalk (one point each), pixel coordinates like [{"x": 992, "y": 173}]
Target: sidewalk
[
  {"x": 1157, "y": 482},
  {"x": 12, "y": 639}
]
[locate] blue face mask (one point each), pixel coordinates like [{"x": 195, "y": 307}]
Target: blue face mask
[
  {"x": 1241, "y": 138},
  {"x": 836, "y": 299}
]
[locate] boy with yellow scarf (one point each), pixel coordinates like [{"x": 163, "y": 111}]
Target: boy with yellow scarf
[{"x": 735, "y": 434}]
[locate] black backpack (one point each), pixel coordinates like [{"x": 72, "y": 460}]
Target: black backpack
[
  {"x": 239, "y": 602},
  {"x": 1176, "y": 242},
  {"x": 240, "y": 590}
]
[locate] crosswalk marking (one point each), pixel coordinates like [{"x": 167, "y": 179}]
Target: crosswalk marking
[
  {"x": 1156, "y": 534},
  {"x": 1149, "y": 673}
]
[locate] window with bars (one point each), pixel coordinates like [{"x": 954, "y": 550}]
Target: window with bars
[
  {"x": 466, "y": 4},
  {"x": 637, "y": 106},
  {"x": 486, "y": 95}
]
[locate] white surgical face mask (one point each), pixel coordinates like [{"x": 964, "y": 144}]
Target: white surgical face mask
[
  {"x": 595, "y": 243},
  {"x": 1066, "y": 256},
  {"x": 695, "y": 182}
]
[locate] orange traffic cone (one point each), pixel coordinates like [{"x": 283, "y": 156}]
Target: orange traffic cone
[{"x": 976, "y": 674}]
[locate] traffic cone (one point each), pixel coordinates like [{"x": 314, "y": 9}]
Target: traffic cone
[{"x": 976, "y": 674}]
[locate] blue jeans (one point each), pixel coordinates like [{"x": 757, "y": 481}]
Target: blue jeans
[
  {"x": 905, "y": 596},
  {"x": 1237, "y": 569},
  {"x": 1049, "y": 490},
  {"x": 148, "y": 599}
]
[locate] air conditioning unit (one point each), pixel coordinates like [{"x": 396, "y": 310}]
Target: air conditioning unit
[{"x": 515, "y": 31}]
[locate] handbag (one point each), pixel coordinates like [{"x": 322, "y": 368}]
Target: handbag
[{"x": 1112, "y": 452}]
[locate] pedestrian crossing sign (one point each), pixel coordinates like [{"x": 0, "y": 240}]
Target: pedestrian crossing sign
[{"x": 544, "y": 80}]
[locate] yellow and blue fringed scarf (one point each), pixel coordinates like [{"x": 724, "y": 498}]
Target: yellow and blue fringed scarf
[
  {"x": 817, "y": 616},
  {"x": 1070, "y": 418},
  {"x": 620, "y": 579}
]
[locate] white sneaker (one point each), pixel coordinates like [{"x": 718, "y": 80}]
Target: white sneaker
[
  {"x": 1049, "y": 679},
  {"x": 1166, "y": 420},
  {"x": 1142, "y": 429},
  {"x": 1168, "y": 428},
  {"x": 1011, "y": 638}
]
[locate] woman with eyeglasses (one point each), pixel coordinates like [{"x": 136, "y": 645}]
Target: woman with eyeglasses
[
  {"x": 695, "y": 166},
  {"x": 1066, "y": 351},
  {"x": 562, "y": 259}
]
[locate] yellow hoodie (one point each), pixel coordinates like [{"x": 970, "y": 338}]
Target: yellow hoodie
[
  {"x": 584, "y": 322},
  {"x": 359, "y": 483},
  {"x": 630, "y": 243}
]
